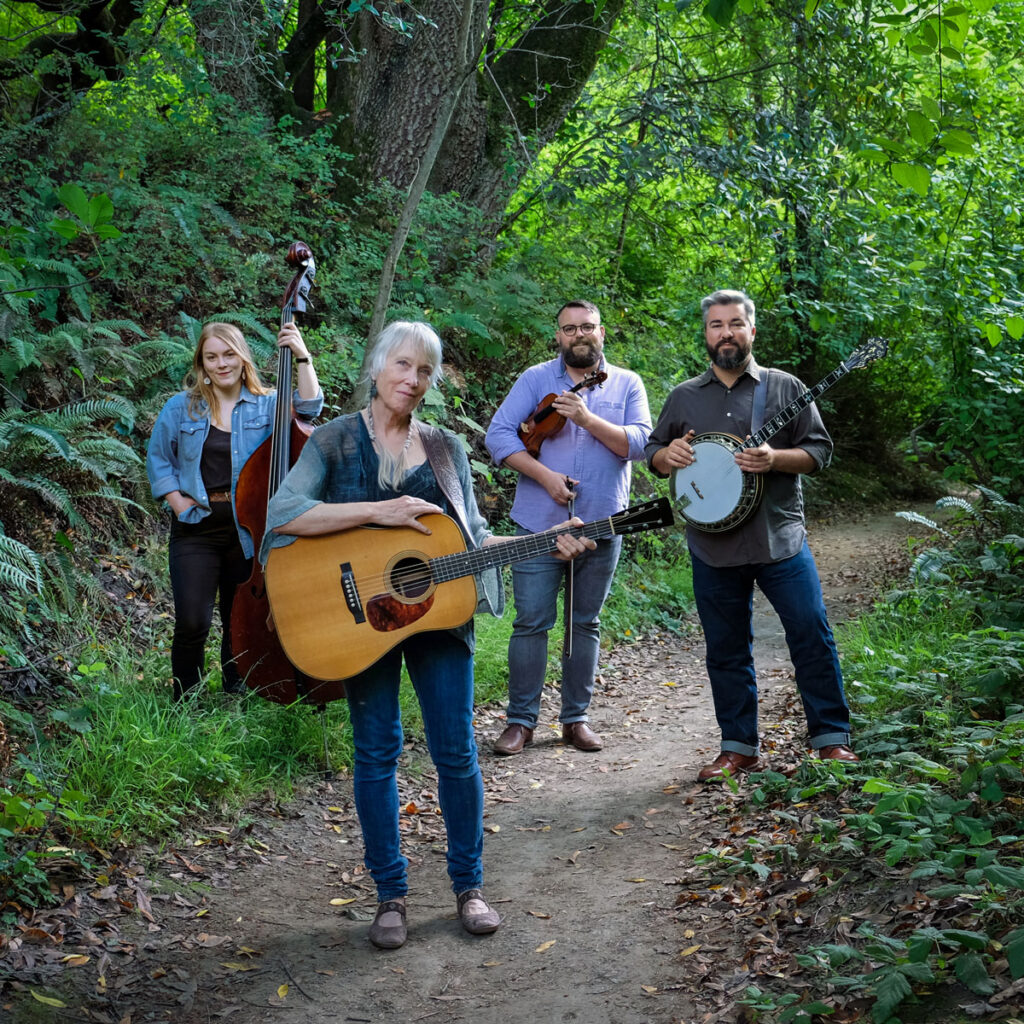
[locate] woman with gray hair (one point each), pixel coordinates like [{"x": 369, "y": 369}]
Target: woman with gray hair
[{"x": 381, "y": 466}]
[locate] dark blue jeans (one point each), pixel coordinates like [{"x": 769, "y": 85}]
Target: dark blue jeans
[
  {"x": 725, "y": 598},
  {"x": 536, "y": 584},
  {"x": 441, "y": 669}
]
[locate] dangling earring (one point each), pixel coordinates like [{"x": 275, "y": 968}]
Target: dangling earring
[
  {"x": 206, "y": 380},
  {"x": 373, "y": 390},
  {"x": 243, "y": 376}
]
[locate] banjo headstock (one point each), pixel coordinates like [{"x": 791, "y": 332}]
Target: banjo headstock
[{"x": 872, "y": 349}]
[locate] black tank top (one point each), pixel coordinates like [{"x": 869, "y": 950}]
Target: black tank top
[{"x": 215, "y": 464}]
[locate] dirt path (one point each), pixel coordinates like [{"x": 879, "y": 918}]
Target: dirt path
[{"x": 583, "y": 857}]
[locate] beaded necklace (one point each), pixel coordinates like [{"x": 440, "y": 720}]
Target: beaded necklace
[
  {"x": 390, "y": 468},
  {"x": 373, "y": 436}
]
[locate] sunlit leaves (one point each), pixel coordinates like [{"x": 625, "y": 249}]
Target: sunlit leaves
[{"x": 912, "y": 176}]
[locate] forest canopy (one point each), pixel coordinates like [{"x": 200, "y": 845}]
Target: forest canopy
[{"x": 855, "y": 167}]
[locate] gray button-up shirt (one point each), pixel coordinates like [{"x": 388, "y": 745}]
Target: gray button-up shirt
[{"x": 776, "y": 530}]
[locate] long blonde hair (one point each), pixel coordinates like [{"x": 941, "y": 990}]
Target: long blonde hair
[{"x": 200, "y": 392}]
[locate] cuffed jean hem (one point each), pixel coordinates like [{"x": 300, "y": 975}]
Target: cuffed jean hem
[
  {"x": 383, "y": 895},
  {"x": 515, "y": 720},
  {"x": 574, "y": 719},
  {"x": 830, "y": 739},
  {"x": 734, "y": 747}
]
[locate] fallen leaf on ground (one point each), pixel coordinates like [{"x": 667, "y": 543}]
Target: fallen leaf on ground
[{"x": 542, "y": 948}]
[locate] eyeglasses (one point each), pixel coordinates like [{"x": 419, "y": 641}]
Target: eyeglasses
[{"x": 570, "y": 329}]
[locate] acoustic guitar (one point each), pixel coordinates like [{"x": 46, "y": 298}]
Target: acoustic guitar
[
  {"x": 713, "y": 494},
  {"x": 342, "y": 600}
]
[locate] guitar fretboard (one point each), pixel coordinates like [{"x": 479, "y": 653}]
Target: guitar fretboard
[
  {"x": 517, "y": 549},
  {"x": 648, "y": 516}
]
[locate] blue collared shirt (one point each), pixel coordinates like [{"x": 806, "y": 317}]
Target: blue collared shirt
[
  {"x": 604, "y": 476},
  {"x": 176, "y": 447}
]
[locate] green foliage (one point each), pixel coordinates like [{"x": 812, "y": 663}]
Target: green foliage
[
  {"x": 652, "y": 590},
  {"x": 936, "y": 801}
]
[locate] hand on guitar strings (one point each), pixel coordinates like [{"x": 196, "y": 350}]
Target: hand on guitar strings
[{"x": 569, "y": 546}]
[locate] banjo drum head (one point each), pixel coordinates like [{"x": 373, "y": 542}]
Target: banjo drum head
[{"x": 709, "y": 490}]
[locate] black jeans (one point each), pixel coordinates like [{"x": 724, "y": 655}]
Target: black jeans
[{"x": 205, "y": 558}]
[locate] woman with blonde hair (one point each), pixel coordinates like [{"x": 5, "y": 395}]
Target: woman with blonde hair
[{"x": 201, "y": 440}]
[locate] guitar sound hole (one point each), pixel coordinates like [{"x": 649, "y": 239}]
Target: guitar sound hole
[{"x": 410, "y": 578}]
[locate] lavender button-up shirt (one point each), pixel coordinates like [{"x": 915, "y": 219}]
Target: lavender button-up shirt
[{"x": 604, "y": 477}]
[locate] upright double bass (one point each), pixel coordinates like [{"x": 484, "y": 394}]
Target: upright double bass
[{"x": 257, "y": 651}]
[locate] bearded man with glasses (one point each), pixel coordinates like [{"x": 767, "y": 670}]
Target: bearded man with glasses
[{"x": 589, "y": 461}]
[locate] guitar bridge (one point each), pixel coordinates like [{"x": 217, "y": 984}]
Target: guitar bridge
[{"x": 351, "y": 592}]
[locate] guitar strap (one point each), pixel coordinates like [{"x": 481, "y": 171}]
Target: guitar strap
[
  {"x": 489, "y": 588},
  {"x": 760, "y": 397},
  {"x": 440, "y": 459}
]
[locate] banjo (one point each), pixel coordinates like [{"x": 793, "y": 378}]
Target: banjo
[{"x": 713, "y": 494}]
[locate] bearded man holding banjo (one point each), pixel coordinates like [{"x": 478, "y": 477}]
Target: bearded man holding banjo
[{"x": 745, "y": 524}]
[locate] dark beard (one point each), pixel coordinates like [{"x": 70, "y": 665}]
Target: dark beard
[
  {"x": 731, "y": 359},
  {"x": 580, "y": 360}
]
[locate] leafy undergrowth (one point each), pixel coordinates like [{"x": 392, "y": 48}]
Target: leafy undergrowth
[
  {"x": 858, "y": 892},
  {"x": 890, "y": 890}
]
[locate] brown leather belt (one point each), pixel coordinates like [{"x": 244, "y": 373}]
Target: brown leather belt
[{"x": 219, "y": 496}]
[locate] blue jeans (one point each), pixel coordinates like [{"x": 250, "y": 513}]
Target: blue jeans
[
  {"x": 725, "y": 599},
  {"x": 441, "y": 669},
  {"x": 535, "y": 587}
]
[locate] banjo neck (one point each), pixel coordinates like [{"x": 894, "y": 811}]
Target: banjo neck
[{"x": 780, "y": 419}]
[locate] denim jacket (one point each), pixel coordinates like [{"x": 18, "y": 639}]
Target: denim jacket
[{"x": 176, "y": 447}]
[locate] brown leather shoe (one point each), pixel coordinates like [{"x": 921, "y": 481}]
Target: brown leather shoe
[
  {"x": 734, "y": 762},
  {"x": 581, "y": 736},
  {"x": 475, "y": 920},
  {"x": 837, "y": 752},
  {"x": 513, "y": 739},
  {"x": 394, "y": 933}
]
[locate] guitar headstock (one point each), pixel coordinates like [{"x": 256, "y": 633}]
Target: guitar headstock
[
  {"x": 650, "y": 515},
  {"x": 872, "y": 349}
]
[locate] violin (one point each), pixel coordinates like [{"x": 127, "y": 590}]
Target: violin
[
  {"x": 257, "y": 651},
  {"x": 545, "y": 421}
]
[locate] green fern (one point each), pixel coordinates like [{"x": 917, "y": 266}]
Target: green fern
[
  {"x": 20, "y": 567},
  {"x": 915, "y": 517},
  {"x": 930, "y": 565},
  {"x": 54, "y": 494},
  {"x": 15, "y": 432}
]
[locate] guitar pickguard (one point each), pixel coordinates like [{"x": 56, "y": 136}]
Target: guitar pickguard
[{"x": 385, "y": 613}]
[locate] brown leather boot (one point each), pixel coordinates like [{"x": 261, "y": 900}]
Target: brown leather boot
[
  {"x": 513, "y": 739},
  {"x": 581, "y": 736}
]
